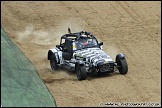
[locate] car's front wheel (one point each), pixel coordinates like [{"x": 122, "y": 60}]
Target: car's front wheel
[
  {"x": 81, "y": 72},
  {"x": 122, "y": 66},
  {"x": 53, "y": 62}
]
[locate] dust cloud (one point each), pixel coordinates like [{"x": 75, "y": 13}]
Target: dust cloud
[
  {"x": 51, "y": 36},
  {"x": 111, "y": 49}
]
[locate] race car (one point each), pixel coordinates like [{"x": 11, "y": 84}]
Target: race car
[{"x": 83, "y": 53}]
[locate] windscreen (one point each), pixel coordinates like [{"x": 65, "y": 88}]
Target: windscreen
[{"x": 86, "y": 42}]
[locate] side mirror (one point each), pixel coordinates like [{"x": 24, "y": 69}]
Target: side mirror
[
  {"x": 101, "y": 43},
  {"x": 58, "y": 46}
]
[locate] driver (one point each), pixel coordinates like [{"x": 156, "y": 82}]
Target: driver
[
  {"x": 84, "y": 41},
  {"x": 85, "y": 38}
]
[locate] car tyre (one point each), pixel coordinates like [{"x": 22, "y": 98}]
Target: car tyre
[
  {"x": 53, "y": 62},
  {"x": 122, "y": 66},
  {"x": 81, "y": 72}
]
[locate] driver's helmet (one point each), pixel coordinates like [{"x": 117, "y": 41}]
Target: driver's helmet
[
  {"x": 84, "y": 33},
  {"x": 84, "y": 38}
]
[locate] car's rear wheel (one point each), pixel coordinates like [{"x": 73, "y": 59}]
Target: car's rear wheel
[
  {"x": 81, "y": 72},
  {"x": 122, "y": 66},
  {"x": 53, "y": 62}
]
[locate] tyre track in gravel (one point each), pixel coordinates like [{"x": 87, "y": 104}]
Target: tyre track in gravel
[{"x": 135, "y": 16}]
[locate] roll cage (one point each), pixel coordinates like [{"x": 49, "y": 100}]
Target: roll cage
[
  {"x": 72, "y": 37},
  {"x": 69, "y": 43}
]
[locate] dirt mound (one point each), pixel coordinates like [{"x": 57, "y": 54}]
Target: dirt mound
[{"x": 129, "y": 27}]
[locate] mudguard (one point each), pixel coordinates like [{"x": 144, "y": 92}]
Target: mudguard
[
  {"x": 119, "y": 56},
  {"x": 55, "y": 52}
]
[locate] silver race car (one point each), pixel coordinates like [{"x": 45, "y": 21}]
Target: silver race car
[{"x": 82, "y": 53}]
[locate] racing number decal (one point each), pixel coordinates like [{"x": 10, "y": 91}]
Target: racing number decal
[{"x": 74, "y": 46}]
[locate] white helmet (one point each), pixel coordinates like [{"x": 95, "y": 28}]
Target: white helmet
[{"x": 84, "y": 35}]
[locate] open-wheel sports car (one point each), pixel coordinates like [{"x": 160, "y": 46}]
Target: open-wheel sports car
[{"x": 83, "y": 53}]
